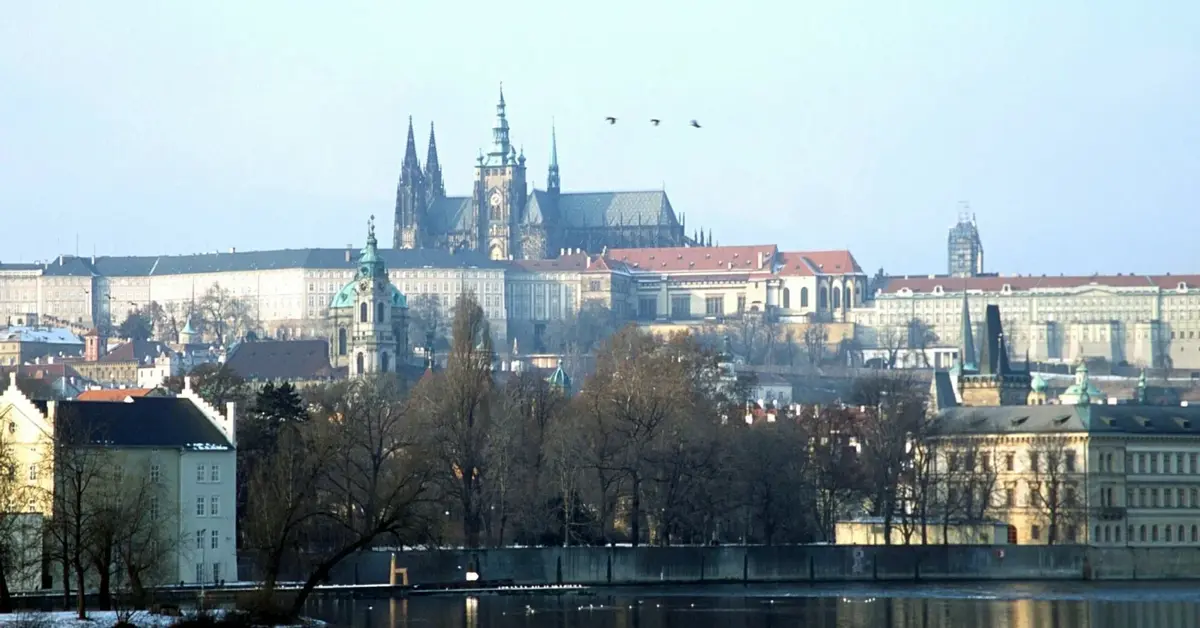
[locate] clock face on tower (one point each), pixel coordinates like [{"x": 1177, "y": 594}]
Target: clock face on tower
[{"x": 496, "y": 198}]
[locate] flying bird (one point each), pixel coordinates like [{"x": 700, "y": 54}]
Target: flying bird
[
  {"x": 655, "y": 121},
  {"x": 611, "y": 120},
  {"x": 695, "y": 124}
]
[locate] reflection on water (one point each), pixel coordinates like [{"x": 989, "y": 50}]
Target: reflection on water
[{"x": 997, "y": 606}]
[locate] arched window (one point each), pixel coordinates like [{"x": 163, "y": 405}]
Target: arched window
[
  {"x": 837, "y": 298},
  {"x": 1179, "y": 537},
  {"x": 362, "y": 313},
  {"x": 803, "y": 297},
  {"x": 379, "y": 312},
  {"x": 823, "y": 298},
  {"x": 1195, "y": 533},
  {"x": 1096, "y": 534},
  {"x": 341, "y": 346},
  {"x": 1117, "y": 533},
  {"x": 787, "y": 299},
  {"x": 1167, "y": 533},
  {"x": 383, "y": 362},
  {"x": 849, "y": 296},
  {"x": 1142, "y": 533},
  {"x": 1154, "y": 534},
  {"x": 359, "y": 364}
]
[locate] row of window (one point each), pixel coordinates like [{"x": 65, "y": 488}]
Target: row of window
[
  {"x": 215, "y": 536},
  {"x": 964, "y": 462},
  {"x": 1167, "y": 461},
  {"x": 214, "y": 506},
  {"x": 201, "y": 572},
  {"x": 1164, "y": 498},
  {"x": 1149, "y": 534}
]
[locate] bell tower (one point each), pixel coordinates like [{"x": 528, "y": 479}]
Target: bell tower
[
  {"x": 500, "y": 192},
  {"x": 373, "y": 342}
]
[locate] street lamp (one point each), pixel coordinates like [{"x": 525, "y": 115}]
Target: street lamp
[{"x": 203, "y": 555}]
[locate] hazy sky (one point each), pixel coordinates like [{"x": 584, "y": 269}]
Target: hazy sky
[{"x": 1071, "y": 127}]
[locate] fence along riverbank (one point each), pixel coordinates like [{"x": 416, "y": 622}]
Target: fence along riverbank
[{"x": 760, "y": 564}]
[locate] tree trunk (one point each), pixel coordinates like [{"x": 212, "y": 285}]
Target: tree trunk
[
  {"x": 66, "y": 579},
  {"x": 104, "y": 594},
  {"x": 5, "y": 595},
  {"x": 635, "y": 525},
  {"x": 80, "y": 591}
]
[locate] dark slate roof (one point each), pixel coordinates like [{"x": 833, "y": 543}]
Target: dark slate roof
[
  {"x": 610, "y": 209},
  {"x": 293, "y": 360},
  {"x": 449, "y": 214},
  {"x": 942, "y": 391},
  {"x": 1133, "y": 419},
  {"x": 141, "y": 351},
  {"x": 19, "y": 266},
  {"x": 262, "y": 260},
  {"x": 167, "y": 422},
  {"x": 539, "y": 203}
]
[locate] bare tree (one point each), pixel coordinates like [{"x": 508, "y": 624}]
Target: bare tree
[
  {"x": 1054, "y": 488},
  {"x": 816, "y": 335},
  {"x": 224, "y": 315},
  {"x": 376, "y": 484},
  {"x": 459, "y": 402},
  {"x": 892, "y": 341},
  {"x": 426, "y": 317},
  {"x": 836, "y": 477},
  {"x": 895, "y": 409},
  {"x": 920, "y": 338},
  {"x": 283, "y": 509}
]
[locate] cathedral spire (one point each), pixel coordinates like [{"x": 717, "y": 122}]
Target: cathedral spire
[
  {"x": 433, "y": 170},
  {"x": 967, "y": 359},
  {"x": 501, "y": 146},
  {"x": 410, "y": 151},
  {"x": 553, "y": 183}
]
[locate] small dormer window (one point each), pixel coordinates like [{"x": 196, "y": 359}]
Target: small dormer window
[
  {"x": 1182, "y": 287},
  {"x": 1006, "y": 289},
  {"x": 904, "y": 291},
  {"x": 938, "y": 290}
]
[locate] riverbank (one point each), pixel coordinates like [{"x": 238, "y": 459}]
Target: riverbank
[{"x": 758, "y": 564}]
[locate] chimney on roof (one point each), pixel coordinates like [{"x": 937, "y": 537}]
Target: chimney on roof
[
  {"x": 233, "y": 249},
  {"x": 760, "y": 260},
  {"x": 347, "y": 255}
]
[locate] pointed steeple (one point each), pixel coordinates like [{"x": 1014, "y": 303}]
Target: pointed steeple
[
  {"x": 553, "y": 183},
  {"x": 501, "y": 148},
  {"x": 411, "y": 165},
  {"x": 433, "y": 169},
  {"x": 967, "y": 357},
  {"x": 370, "y": 264}
]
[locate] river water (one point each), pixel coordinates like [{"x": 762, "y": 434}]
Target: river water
[{"x": 1003, "y": 605}]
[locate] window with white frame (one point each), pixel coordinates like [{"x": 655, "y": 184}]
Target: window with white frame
[
  {"x": 214, "y": 506},
  {"x": 199, "y": 506},
  {"x": 216, "y": 537},
  {"x": 199, "y": 539},
  {"x": 155, "y": 474},
  {"x": 214, "y": 473},
  {"x": 200, "y": 473},
  {"x": 33, "y": 472},
  {"x": 199, "y": 572}
]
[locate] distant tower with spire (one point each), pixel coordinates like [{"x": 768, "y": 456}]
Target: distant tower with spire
[
  {"x": 964, "y": 249},
  {"x": 415, "y": 192},
  {"x": 500, "y": 193}
]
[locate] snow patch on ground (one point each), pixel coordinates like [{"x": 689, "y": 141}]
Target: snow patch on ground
[{"x": 104, "y": 619}]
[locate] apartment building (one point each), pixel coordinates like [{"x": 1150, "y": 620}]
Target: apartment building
[{"x": 181, "y": 449}]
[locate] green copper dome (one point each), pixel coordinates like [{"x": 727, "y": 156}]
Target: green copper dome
[
  {"x": 347, "y": 296},
  {"x": 371, "y": 268},
  {"x": 1038, "y": 384}
]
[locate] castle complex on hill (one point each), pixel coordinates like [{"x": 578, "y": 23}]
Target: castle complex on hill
[{"x": 505, "y": 218}]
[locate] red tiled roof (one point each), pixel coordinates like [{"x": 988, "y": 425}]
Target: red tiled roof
[
  {"x": 808, "y": 263},
  {"x": 1029, "y": 282},
  {"x": 696, "y": 259},
  {"x": 113, "y": 394}
]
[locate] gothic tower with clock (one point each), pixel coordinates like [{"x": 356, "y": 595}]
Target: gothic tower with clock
[
  {"x": 500, "y": 193},
  {"x": 369, "y": 322}
]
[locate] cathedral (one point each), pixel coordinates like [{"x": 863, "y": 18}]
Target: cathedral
[{"x": 507, "y": 219}]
